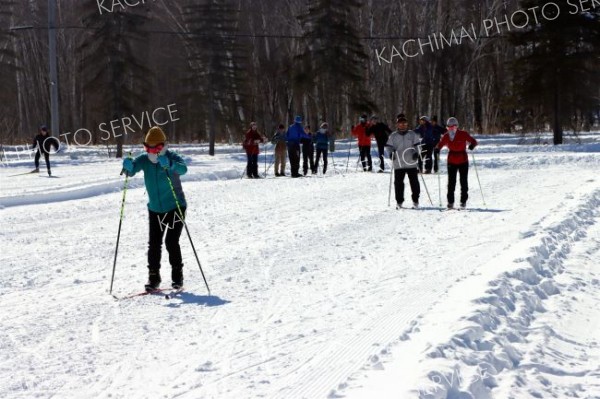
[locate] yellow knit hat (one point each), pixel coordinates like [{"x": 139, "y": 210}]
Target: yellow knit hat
[{"x": 155, "y": 136}]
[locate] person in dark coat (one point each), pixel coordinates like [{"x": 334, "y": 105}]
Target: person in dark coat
[
  {"x": 322, "y": 144},
  {"x": 458, "y": 161},
  {"x": 381, "y": 131},
  {"x": 425, "y": 130},
  {"x": 438, "y": 132},
  {"x": 44, "y": 142},
  {"x": 293, "y": 136},
  {"x": 251, "y": 142},
  {"x": 308, "y": 151}
]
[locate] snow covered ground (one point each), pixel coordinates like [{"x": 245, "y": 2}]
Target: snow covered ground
[{"x": 319, "y": 290}]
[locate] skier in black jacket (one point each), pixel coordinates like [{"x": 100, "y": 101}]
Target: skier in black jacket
[
  {"x": 381, "y": 132},
  {"x": 44, "y": 143}
]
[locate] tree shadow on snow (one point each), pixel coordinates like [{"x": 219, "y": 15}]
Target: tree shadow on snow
[{"x": 190, "y": 298}]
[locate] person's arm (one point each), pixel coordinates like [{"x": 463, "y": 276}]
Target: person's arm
[
  {"x": 34, "y": 143},
  {"x": 443, "y": 142},
  {"x": 133, "y": 166},
  {"x": 472, "y": 142},
  {"x": 177, "y": 163}
]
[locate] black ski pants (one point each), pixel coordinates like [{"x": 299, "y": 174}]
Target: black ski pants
[
  {"x": 381, "y": 151},
  {"x": 426, "y": 157},
  {"x": 413, "y": 178},
  {"x": 463, "y": 170},
  {"x": 365, "y": 152},
  {"x": 308, "y": 158},
  {"x": 319, "y": 152},
  {"x": 37, "y": 159},
  {"x": 252, "y": 166},
  {"x": 171, "y": 224},
  {"x": 294, "y": 155}
]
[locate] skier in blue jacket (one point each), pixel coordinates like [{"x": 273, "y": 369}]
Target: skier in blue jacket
[
  {"x": 295, "y": 134},
  {"x": 164, "y": 212}
]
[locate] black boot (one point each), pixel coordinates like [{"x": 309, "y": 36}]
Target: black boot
[
  {"x": 177, "y": 277},
  {"x": 153, "y": 280}
]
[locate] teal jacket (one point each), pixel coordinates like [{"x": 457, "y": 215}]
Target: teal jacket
[{"x": 160, "y": 195}]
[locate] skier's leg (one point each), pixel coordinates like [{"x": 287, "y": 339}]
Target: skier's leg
[
  {"x": 428, "y": 158},
  {"x": 283, "y": 156},
  {"x": 172, "y": 245},
  {"x": 325, "y": 161},
  {"x": 156, "y": 232},
  {"x": 399, "y": 185},
  {"x": 318, "y": 158},
  {"x": 277, "y": 161},
  {"x": 415, "y": 187},
  {"x": 361, "y": 151},
  {"x": 381, "y": 151},
  {"x": 452, "y": 170},
  {"x": 255, "y": 165},
  {"x": 436, "y": 160},
  {"x": 249, "y": 165},
  {"x": 464, "y": 182},
  {"x": 369, "y": 159},
  {"x": 47, "y": 159},
  {"x": 37, "y": 159}
]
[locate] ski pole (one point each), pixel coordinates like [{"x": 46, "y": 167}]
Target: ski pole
[
  {"x": 112, "y": 278},
  {"x": 478, "y": 181},
  {"x": 265, "y": 150},
  {"x": 182, "y": 217},
  {"x": 440, "y": 187},
  {"x": 391, "y": 177},
  {"x": 349, "y": 149},
  {"x": 422, "y": 178},
  {"x": 244, "y": 172}
]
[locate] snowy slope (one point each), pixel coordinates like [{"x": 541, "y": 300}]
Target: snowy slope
[{"x": 319, "y": 289}]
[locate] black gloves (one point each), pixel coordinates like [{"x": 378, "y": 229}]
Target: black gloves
[
  {"x": 415, "y": 156},
  {"x": 471, "y": 146}
]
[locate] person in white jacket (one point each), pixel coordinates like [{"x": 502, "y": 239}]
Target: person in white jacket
[{"x": 404, "y": 147}]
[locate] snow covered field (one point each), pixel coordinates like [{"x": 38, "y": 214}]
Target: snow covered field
[{"x": 319, "y": 290}]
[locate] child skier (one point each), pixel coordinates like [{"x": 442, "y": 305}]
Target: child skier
[
  {"x": 166, "y": 205},
  {"x": 458, "y": 161}
]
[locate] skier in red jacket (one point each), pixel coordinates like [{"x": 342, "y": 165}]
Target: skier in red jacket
[
  {"x": 253, "y": 138},
  {"x": 364, "y": 143},
  {"x": 458, "y": 161}
]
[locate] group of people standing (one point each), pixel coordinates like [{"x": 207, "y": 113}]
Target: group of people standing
[
  {"x": 296, "y": 142},
  {"x": 412, "y": 151}
]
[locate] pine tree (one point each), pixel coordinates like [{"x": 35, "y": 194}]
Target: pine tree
[
  {"x": 7, "y": 67},
  {"x": 116, "y": 82},
  {"x": 218, "y": 60},
  {"x": 557, "y": 63},
  {"x": 332, "y": 64}
]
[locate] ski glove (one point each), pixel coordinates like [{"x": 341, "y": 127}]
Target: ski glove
[
  {"x": 415, "y": 156},
  {"x": 471, "y": 147},
  {"x": 128, "y": 165},
  {"x": 164, "y": 161}
]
